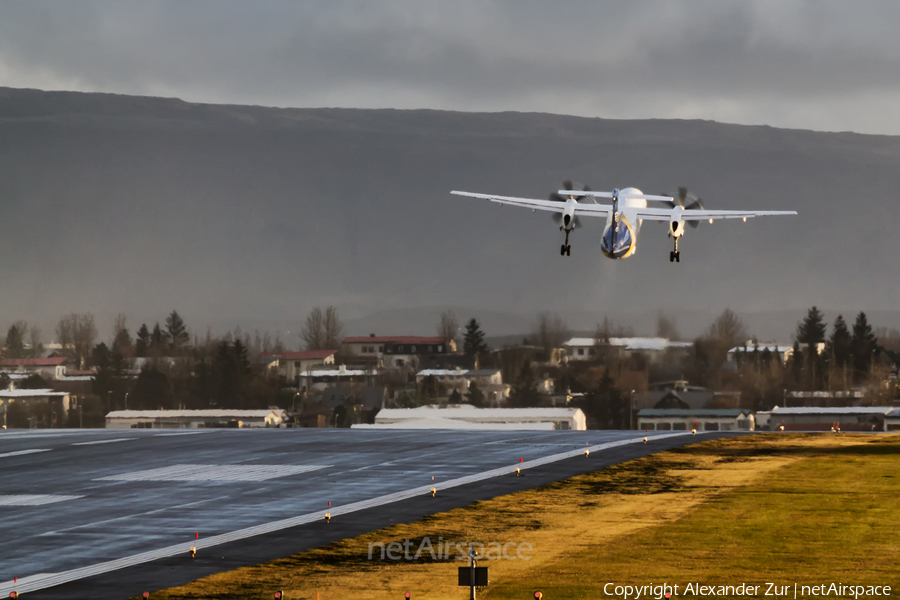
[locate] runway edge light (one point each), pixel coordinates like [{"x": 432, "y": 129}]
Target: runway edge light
[
  {"x": 193, "y": 552},
  {"x": 407, "y": 595},
  {"x": 538, "y": 595},
  {"x": 278, "y": 595},
  {"x": 145, "y": 595},
  {"x": 328, "y": 517}
]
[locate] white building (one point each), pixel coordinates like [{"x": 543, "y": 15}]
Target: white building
[
  {"x": 823, "y": 418},
  {"x": 58, "y": 402},
  {"x": 653, "y": 347},
  {"x": 194, "y": 419},
  {"x": 488, "y": 381},
  {"x": 701, "y": 419},
  {"x": 469, "y": 417}
]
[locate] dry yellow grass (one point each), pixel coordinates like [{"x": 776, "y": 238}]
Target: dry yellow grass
[{"x": 714, "y": 511}]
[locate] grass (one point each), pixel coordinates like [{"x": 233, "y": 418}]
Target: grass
[{"x": 785, "y": 508}]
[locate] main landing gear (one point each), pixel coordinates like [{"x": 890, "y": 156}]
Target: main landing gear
[
  {"x": 566, "y": 249},
  {"x": 675, "y": 256}
]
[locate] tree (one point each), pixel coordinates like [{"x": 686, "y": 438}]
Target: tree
[
  {"x": 34, "y": 341},
  {"x": 524, "y": 393},
  {"x": 605, "y": 405},
  {"x": 323, "y": 329},
  {"x": 475, "y": 396},
  {"x": 666, "y": 327},
  {"x": 142, "y": 346},
  {"x": 810, "y": 333},
  {"x": 121, "y": 337},
  {"x": 76, "y": 334},
  {"x": 152, "y": 390},
  {"x": 15, "y": 340},
  {"x": 34, "y": 382},
  {"x": 550, "y": 331},
  {"x": 176, "y": 332},
  {"x": 728, "y": 330},
  {"x": 448, "y": 327},
  {"x": 838, "y": 345},
  {"x": 862, "y": 345},
  {"x": 473, "y": 341},
  {"x": 101, "y": 357},
  {"x": 455, "y": 397},
  {"x": 159, "y": 341}
]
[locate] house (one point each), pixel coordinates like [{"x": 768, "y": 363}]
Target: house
[
  {"x": 824, "y": 398},
  {"x": 653, "y": 347},
  {"x": 444, "y": 382},
  {"x": 823, "y": 418},
  {"x": 319, "y": 379},
  {"x": 292, "y": 365},
  {"x": 783, "y": 351},
  {"x": 892, "y": 420},
  {"x": 705, "y": 419},
  {"x": 469, "y": 417},
  {"x": 194, "y": 419},
  {"x": 34, "y": 408},
  {"x": 393, "y": 351},
  {"x": 48, "y": 368}
]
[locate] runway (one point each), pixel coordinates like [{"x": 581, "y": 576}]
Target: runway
[{"x": 112, "y": 513}]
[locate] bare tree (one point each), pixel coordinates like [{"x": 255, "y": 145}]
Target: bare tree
[
  {"x": 728, "y": 330},
  {"x": 448, "y": 327},
  {"x": 65, "y": 333},
  {"x": 34, "y": 340},
  {"x": 323, "y": 329},
  {"x": 550, "y": 331},
  {"x": 666, "y": 327},
  {"x": 334, "y": 329},
  {"x": 84, "y": 335}
]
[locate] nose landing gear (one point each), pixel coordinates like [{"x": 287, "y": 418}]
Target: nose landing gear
[
  {"x": 566, "y": 249},
  {"x": 675, "y": 256}
]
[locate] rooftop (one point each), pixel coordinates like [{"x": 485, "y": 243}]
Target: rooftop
[
  {"x": 631, "y": 343},
  {"x": 692, "y": 412},
  {"x": 33, "y": 362},
  {"x": 30, "y": 393},
  {"x": 433, "y": 423},
  {"x": 839, "y": 410},
  {"x": 198, "y": 414},
  {"x": 395, "y": 339},
  {"x": 305, "y": 355}
]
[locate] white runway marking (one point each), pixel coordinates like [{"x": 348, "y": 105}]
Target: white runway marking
[
  {"x": 174, "y": 434},
  {"x": 149, "y": 512},
  {"x": 33, "y": 499},
  {"x": 103, "y": 441},
  {"x": 23, "y": 452},
  {"x": 214, "y": 473},
  {"x": 55, "y": 579}
]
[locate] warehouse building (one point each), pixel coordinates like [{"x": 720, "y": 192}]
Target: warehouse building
[
  {"x": 823, "y": 418},
  {"x": 469, "y": 417},
  {"x": 194, "y": 419},
  {"x": 704, "y": 419}
]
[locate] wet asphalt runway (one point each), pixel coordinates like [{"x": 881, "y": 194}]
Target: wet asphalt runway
[{"x": 71, "y": 501}]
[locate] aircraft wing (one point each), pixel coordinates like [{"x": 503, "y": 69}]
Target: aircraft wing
[
  {"x": 582, "y": 210},
  {"x": 665, "y": 214}
]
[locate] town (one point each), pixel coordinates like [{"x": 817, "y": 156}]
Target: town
[{"x": 820, "y": 377}]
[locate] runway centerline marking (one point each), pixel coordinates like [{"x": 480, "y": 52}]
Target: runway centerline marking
[
  {"x": 33, "y": 499},
  {"x": 183, "y": 472},
  {"x": 24, "y": 452},
  {"x": 177, "y": 434},
  {"x": 104, "y": 441},
  {"x": 51, "y": 580}
]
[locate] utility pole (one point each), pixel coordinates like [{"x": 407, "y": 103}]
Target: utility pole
[
  {"x": 108, "y": 401},
  {"x": 631, "y": 412}
]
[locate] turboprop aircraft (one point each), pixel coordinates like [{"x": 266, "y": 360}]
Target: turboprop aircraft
[{"x": 626, "y": 214}]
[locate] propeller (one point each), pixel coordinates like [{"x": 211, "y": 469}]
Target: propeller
[
  {"x": 694, "y": 203},
  {"x": 555, "y": 197}
]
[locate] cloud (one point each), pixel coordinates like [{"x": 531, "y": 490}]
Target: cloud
[{"x": 815, "y": 64}]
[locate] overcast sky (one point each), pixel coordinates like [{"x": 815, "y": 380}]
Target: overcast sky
[{"x": 824, "y": 65}]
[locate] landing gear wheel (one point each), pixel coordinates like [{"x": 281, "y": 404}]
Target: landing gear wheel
[
  {"x": 678, "y": 257},
  {"x": 568, "y": 250},
  {"x": 671, "y": 257},
  {"x": 562, "y": 250}
]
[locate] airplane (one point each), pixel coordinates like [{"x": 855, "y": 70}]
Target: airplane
[{"x": 624, "y": 216}]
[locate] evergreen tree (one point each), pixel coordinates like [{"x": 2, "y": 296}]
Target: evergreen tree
[
  {"x": 862, "y": 345},
  {"x": 838, "y": 345},
  {"x": 811, "y": 333},
  {"x": 159, "y": 340},
  {"x": 101, "y": 357},
  {"x": 473, "y": 342},
  {"x": 176, "y": 332},
  {"x": 152, "y": 390},
  {"x": 142, "y": 346},
  {"x": 524, "y": 394},
  {"x": 15, "y": 341},
  {"x": 455, "y": 398},
  {"x": 605, "y": 405},
  {"x": 475, "y": 397}
]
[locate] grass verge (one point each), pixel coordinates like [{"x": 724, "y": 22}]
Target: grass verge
[{"x": 785, "y": 508}]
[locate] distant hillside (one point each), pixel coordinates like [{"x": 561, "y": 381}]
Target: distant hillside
[{"x": 240, "y": 214}]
